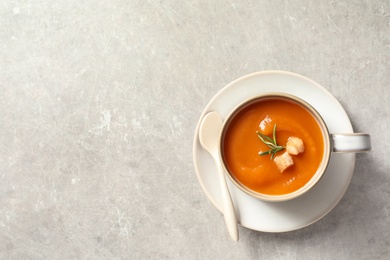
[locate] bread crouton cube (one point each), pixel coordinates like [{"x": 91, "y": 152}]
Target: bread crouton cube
[
  {"x": 295, "y": 145},
  {"x": 283, "y": 161}
]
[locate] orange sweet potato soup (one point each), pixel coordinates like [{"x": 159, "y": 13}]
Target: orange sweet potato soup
[{"x": 241, "y": 146}]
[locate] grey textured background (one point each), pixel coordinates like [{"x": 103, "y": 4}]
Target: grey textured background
[{"x": 99, "y": 101}]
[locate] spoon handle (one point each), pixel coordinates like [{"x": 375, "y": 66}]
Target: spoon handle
[{"x": 228, "y": 208}]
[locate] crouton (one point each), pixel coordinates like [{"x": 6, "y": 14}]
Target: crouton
[
  {"x": 283, "y": 161},
  {"x": 295, "y": 145}
]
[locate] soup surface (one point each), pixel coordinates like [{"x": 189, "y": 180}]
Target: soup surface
[{"x": 241, "y": 146}]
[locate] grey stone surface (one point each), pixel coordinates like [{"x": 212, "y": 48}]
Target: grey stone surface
[{"x": 99, "y": 101}]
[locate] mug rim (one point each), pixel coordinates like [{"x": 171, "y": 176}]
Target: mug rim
[{"x": 325, "y": 158}]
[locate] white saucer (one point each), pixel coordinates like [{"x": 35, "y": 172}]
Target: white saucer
[{"x": 312, "y": 206}]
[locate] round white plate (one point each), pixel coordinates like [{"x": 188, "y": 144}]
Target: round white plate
[{"x": 313, "y": 205}]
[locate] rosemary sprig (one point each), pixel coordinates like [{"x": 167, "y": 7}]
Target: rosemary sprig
[{"x": 271, "y": 143}]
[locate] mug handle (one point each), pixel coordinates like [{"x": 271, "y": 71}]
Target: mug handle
[{"x": 351, "y": 143}]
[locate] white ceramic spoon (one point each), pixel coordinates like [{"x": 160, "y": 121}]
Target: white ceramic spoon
[{"x": 209, "y": 134}]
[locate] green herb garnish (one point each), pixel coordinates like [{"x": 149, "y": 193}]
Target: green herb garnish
[{"x": 271, "y": 143}]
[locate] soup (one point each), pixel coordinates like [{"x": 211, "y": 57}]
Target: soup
[{"x": 241, "y": 146}]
